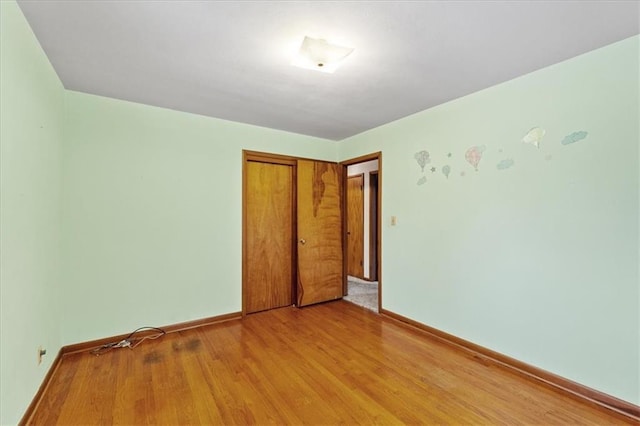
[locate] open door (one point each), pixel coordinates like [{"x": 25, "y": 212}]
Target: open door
[
  {"x": 320, "y": 260},
  {"x": 355, "y": 226}
]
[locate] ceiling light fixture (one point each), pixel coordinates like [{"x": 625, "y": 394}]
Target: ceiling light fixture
[{"x": 317, "y": 54}]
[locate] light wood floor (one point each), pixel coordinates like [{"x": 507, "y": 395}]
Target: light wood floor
[{"x": 334, "y": 363}]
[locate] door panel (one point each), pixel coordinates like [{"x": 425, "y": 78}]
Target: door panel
[
  {"x": 355, "y": 226},
  {"x": 269, "y": 236},
  {"x": 320, "y": 266}
]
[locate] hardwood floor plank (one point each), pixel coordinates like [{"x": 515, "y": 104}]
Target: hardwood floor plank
[{"x": 332, "y": 363}]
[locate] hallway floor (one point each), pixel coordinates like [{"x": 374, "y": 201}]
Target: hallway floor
[{"x": 362, "y": 293}]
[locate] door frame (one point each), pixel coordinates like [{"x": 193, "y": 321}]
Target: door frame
[
  {"x": 345, "y": 164},
  {"x": 373, "y": 236}
]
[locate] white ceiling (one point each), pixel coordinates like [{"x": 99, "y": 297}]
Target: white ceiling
[{"x": 230, "y": 59}]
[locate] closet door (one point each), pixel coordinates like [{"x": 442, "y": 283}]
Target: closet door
[
  {"x": 320, "y": 266},
  {"x": 269, "y": 236}
]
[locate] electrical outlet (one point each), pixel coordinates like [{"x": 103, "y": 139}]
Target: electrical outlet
[{"x": 41, "y": 353}]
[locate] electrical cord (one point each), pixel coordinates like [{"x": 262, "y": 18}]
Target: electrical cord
[{"x": 128, "y": 342}]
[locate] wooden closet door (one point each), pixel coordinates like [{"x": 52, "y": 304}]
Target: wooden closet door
[
  {"x": 355, "y": 226},
  {"x": 269, "y": 234},
  {"x": 320, "y": 267}
]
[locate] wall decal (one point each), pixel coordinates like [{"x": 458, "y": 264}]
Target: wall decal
[
  {"x": 474, "y": 155},
  {"x": 534, "y": 136},
  {"x": 574, "y": 137},
  {"x": 505, "y": 164},
  {"x": 422, "y": 157}
]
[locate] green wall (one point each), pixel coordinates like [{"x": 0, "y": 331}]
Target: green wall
[
  {"x": 153, "y": 213},
  {"x": 31, "y": 131},
  {"x": 132, "y": 216},
  {"x": 538, "y": 261}
]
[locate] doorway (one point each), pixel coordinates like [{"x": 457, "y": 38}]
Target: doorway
[{"x": 362, "y": 230}]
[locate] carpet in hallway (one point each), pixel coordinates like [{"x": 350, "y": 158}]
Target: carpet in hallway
[{"x": 363, "y": 293}]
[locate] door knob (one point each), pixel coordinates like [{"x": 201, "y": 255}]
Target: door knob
[{"x": 303, "y": 241}]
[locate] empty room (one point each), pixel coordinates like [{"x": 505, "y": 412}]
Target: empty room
[{"x": 318, "y": 212}]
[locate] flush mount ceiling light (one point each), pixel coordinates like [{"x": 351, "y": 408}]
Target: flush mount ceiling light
[{"x": 317, "y": 54}]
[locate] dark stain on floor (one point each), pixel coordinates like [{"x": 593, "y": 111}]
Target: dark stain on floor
[
  {"x": 152, "y": 358},
  {"x": 192, "y": 345}
]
